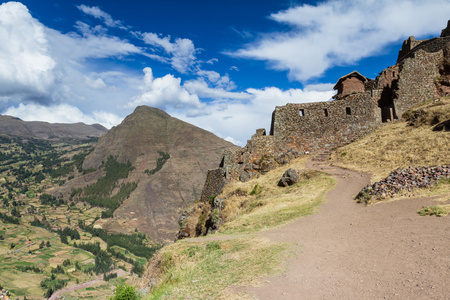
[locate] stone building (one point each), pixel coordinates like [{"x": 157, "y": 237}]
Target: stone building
[
  {"x": 350, "y": 84},
  {"x": 422, "y": 72}
]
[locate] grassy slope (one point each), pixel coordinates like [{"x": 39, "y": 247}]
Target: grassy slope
[
  {"x": 201, "y": 267},
  {"x": 400, "y": 145},
  {"x": 208, "y": 268}
]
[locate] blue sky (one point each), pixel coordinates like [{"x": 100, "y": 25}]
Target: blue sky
[{"x": 221, "y": 65}]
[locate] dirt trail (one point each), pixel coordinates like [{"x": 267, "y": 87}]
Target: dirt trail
[
  {"x": 58, "y": 294},
  {"x": 353, "y": 251}
]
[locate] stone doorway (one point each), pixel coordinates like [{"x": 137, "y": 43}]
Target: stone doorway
[{"x": 386, "y": 103}]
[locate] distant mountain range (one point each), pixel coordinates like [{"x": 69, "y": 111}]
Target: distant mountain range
[{"x": 13, "y": 126}]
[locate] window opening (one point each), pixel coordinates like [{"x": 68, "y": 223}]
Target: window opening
[
  {"x": 325, "y": 112},
  {"x": 302, "y": 112},
  {"x": 348, "y": 111}
]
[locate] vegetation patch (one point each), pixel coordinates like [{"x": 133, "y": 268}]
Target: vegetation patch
[
  {"x": 99, "y": 193},
  {"x": 164, "y": 157},
  {"x": 202, "y": 269},
  {"x": 438, "y": 211}
]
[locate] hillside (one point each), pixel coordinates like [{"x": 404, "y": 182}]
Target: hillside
[
  {"x": 352, "y": 249},
  {"x": 47, "y": 242},
  {"x": 49, "y": 131},
  {"x": 169, "y": 159},
  {"x": 419, "y": 141}
]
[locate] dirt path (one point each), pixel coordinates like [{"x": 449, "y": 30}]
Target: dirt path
[
  {"x": 83, "y": 285},
  {"x": 353, "y": 251},
  {"x": 58, "y": 294}
]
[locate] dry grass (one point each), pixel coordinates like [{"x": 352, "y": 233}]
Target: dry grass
[
  {"x": 206, "y": 270},
  {"x": 210, "y": 267},
  {"x": 395, "y": 146},
  {"x": 260, "y": 203}
]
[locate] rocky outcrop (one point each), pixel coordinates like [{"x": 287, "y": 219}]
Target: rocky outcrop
[{"x": 403, "y": 180}]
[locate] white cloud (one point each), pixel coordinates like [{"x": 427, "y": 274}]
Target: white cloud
[
  {"x": 167, "y": 94},
  {"x": 96, "y": 12},
  {"x": 201, "y": 88},
  {"x": 341, "y": 32},
  {"x": 182, "y": 51},
  {"x": 26, "y": 65},
  {"x": 42, "y": 65},
  {"x": 217, "y": 80},
  {"x": 97, "y": 84},
  {"x": 106, "y": 119},
  {"x": 75, "y": 47},
  {"x": 61, "y": 113},
  {"x": 212, "y": 61}
]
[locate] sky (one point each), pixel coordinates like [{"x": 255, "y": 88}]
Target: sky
[{"x": 222, "y": 65}]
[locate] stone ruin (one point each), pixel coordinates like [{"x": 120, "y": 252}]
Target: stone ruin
[{"x": 422, "y": 72}]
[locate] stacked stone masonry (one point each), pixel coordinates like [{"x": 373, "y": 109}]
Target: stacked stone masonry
[{"x": 422, "y": 73}]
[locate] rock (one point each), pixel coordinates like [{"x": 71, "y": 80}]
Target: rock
[
  {"x": 404, "y": 180},
  {"x": 244, "y": 176},
  {"x": 289, "y": 178},
  {"x": 218, "y": 203}
]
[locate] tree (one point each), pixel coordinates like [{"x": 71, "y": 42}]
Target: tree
[
  {"x": 125, "y": 292},
  {"x": 41, "y": 245}
]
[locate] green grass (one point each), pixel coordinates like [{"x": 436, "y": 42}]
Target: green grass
[{"x": 438, "y": 211}]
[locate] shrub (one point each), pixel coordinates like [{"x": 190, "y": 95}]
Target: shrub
[{"x": 125, "y": 292}]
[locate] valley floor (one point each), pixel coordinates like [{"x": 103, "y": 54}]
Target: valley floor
[{"x": 352, "y": 251}]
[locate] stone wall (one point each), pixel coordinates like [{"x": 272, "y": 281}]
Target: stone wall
[
  {"x": 322, "y": 125},
  {"x": 408, "y": 45},
  {"x": 215, "y": 181},
  {"x": 417, "y": 77},
  {"x": 350, "y": 86}
]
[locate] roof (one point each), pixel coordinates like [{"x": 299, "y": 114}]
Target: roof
[{"x": 352, "y": 74}]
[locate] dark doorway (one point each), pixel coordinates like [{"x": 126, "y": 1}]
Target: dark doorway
[{"x": 386, "y": 103}]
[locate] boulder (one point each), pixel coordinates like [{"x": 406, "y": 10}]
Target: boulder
[
  {"x": 289, "y": 178},
  {"x": 244, "y": 176}
]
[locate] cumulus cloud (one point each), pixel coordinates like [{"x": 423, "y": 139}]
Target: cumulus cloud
[
  {"x": 26, "y": 65},
  {"x": 182, "y": 51},
  {"x": 167, "y": 94},
  {"x": 61, "y": 113},
  {"x": 44, "y": 66},
  {"x": 341, "y": 32},
  {"x": 96, "y": 12},
  {"x": 217, "y": 80}
]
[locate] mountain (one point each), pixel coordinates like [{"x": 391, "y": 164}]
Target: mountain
[
  {"x": 170, "y": 159},
  {"x": 43, "y": 130}
]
